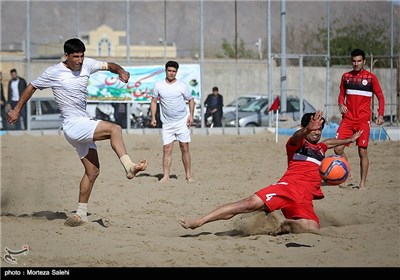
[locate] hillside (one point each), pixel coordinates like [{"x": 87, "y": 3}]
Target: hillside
[{"x": 56, "y": 21}]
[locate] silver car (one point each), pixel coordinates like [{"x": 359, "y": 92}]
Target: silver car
[
  {"x": 45, "y": 113},
  {"x": 256, "y": 112},
  {"x": 242, "y": 101}
]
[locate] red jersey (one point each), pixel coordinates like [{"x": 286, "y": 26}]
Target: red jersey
[
  {"x": 356, "y": 92},
  {"x": 303, "y": 166}
]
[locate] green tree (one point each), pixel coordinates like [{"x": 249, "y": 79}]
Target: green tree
[
  {"x": 373, "y": 38},
  {"x": 229, "y": 50}
]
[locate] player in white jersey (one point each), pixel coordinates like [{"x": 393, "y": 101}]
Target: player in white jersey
[
  {"x": 68, "y": 81},
  {"x": 176, "y": 119}
]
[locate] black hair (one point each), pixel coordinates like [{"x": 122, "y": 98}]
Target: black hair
[
  {"x": 358, "y": 52},
  {"x": 215, "y": 89},
  {"x": 172, "y": 63},
  {"x": 74, "y": 46},
  {"x": 305, "y": 120}
]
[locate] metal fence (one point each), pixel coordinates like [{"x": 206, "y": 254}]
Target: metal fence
[{"x": 252, "y": 29}]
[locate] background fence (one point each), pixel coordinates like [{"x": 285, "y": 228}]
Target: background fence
[{"x": 230, "y": 40}]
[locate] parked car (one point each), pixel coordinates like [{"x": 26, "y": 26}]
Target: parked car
[
  {"x": 231, "y": 107},
  {"x": 242, "y": 101},
  {"x": 45, "y": 113},
  {"x": 255, "y": 113}
]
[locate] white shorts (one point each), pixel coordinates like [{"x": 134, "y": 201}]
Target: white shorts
[
  {"x": 79, "y": 133},
  {"x": 176, "y": 131}
]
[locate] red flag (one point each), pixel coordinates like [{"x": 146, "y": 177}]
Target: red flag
[{"x": 275, "y": 105}]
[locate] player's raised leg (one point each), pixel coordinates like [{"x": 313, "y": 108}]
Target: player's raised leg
[{"x": 107, "y": 130}]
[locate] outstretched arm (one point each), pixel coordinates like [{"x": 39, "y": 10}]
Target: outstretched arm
[{"x": 333, "y": 142}]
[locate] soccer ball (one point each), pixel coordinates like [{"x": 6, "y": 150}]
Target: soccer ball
[{"x": 334, "y": 170}]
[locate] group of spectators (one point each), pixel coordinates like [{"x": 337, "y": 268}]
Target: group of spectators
[{"x": 16, "y": 86}]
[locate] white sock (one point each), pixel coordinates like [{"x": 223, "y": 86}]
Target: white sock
[
  {"x": 82, "y": 211},
  {"x": 126, "y": 162}
]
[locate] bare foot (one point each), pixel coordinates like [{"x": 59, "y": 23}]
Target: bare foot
[
  {"x": 189, "y": 179},
  {"x": 185, "y": 223},
  {"x": 164, "y": 179},
  {"x": 136, "y": 168}
]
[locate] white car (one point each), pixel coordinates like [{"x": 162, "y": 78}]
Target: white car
[
  {"x": 242, "y": 101},
  {"x": 231, "y": 107},
  {"x": 256, "y": 113}
]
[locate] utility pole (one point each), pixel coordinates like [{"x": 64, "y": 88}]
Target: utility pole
[
  {"x": 398, "y": 90},
  {"x": 283, "y": 58}
]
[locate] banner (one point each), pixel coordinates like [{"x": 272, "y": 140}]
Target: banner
[{"x": 105, "y": 86}]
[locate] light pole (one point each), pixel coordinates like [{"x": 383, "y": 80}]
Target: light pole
[
  {"x": 236, "y": 57},
  {"x": 28, "y": 58},
  {"x": 165, "y": 30},
  {"x": 77, "y": 18}
]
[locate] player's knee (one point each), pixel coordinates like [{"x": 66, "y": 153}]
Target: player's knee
[
  {"x": 93, "y": 173},
  {"x": 117, "y": 129},
  {"x": 252, "y": 203},
  {"x": 363, "y": 153}
]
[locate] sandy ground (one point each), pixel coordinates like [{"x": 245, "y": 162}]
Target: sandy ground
[{"x": 134, "y": 223}]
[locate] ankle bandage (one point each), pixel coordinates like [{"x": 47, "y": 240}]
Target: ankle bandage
[{"x": 126, "y": 162}]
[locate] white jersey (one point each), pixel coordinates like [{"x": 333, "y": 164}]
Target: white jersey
[
  {"x": 69, "y": 87},
  {"x": 172, "y": 99}
]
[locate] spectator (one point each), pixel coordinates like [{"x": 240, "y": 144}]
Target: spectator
[
  {"x": 214, "y": 103},
  {"x": 3, "y": 104},
  {"x": 120, "y": 114},
  {"x": 15, "y": 88}
]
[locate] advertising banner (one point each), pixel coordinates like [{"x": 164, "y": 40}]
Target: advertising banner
[{"x": 105, "y": 86}]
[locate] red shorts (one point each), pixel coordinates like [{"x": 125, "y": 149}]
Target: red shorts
[
  {"x": 347, "y": 128},
  {"x": 294, "y": 201}
]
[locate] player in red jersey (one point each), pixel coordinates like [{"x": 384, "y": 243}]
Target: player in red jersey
[
  {"x": 297, "y": 188},
  {"x": 357, "y": 88}
]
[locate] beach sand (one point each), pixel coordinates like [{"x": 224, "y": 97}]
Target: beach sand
[{"x": 135, "y": 223}]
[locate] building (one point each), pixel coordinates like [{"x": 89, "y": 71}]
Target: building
[{"x": 107, "y": 42}]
